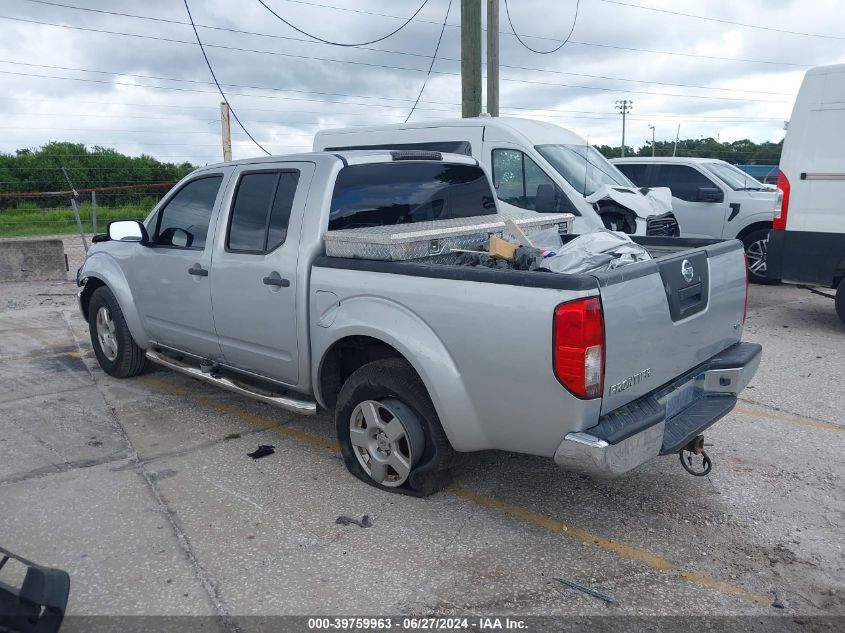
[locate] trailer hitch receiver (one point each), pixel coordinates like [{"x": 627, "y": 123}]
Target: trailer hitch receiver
[{"x": 688, "y": 453}]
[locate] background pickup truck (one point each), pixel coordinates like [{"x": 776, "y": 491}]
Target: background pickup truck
[{"x": 227, "y": 280}]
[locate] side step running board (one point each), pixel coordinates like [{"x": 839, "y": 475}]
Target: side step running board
[{"x": 302, "y": 407}]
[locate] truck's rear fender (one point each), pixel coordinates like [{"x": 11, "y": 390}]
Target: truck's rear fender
[
  {"x": 102, "y": 269},
  {"x": 395, "y": 325}
]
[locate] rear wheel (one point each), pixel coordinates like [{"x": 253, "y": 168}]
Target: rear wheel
[
  {"x": 756, "y": 251},
  {"x": 840, "y": 300},
  {"x": 114, "y": 347},
  {"x": 389, "y": 433}
]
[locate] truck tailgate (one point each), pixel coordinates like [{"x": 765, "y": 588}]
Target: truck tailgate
[{"x": 666, "y": 316}]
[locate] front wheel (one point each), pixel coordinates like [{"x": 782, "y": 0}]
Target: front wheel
[
  {"x": 756, "y": 251},
  {"x": 388, "y": 430},
  {"x": 113, "y": 344}
]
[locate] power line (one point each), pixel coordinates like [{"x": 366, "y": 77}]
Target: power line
[
  {"x": 343, "y": 61},
  {"x": 217, "y": 83},
  {"x": 384, "y": 105},
  {"x": 433, "y": 57},
  {"x": 324, "y": 41},
  {"x": 147, "y": 106},
  {"x": 396, "y": 17},
  {"x": 534, "y": 50},
  {"x": 273, "y": 88},
  {"x": 195, "y": 81},
  {"x": 449, "y": 59},
  {"x": 722, "y": 21}
]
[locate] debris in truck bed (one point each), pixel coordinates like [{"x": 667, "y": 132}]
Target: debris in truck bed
[
  {"x": 592, "y": 252},
  {"x": 499, "y": 247},
  {"x": 597, "y": 251}
]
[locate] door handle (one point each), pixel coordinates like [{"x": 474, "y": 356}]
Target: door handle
[
  {"x": 276, "y": 281},
  {"x": 198, "y": 270}
]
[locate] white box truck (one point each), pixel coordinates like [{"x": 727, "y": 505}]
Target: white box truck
[
  {"x": 807, "y": 243},
  {"x": 536, "y": 166}
]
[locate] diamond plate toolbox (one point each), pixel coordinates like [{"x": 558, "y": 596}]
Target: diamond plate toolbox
[{"x": 399, "y": 242}]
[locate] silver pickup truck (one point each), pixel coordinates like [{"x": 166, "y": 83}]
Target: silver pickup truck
[{"x": 227, "y": 280}]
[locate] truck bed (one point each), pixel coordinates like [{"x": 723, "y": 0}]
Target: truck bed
[{"x": 445, "y": 266}]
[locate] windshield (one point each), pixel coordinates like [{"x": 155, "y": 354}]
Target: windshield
[
  {"x": 583, "y": 167},
  {"x": 735, "y": 178}
]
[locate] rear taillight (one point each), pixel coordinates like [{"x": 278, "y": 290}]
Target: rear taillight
[
  {"x": 779, "y": 223},
  {"x": 578, "y": 341}
]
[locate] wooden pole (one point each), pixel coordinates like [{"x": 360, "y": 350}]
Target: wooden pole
[
  {"x": 470, "y": 58},
  {"x": 493, "y": 57},
  {"x": 226, "y": 129}
]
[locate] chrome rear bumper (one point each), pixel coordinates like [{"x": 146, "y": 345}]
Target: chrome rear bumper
[{"x": 664, "y": 421}]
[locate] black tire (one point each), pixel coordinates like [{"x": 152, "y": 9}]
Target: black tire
[
  {"x": 752, "y": 243},
  {"x": 840, "y": 301},
  {"x": 129, "y": 359},
  {"x": 395, "y": 379}
]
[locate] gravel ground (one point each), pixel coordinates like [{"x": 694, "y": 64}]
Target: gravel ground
[{"x": 133, "y": 488}]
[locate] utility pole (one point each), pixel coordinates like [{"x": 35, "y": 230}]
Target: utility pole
[
  {"x": 493, "y": 57},
  {"x": 470, "y": 58},
  {"x": 226, "y": 130},
  {"x": 624, "y": 106},
  {"x": 651, "y": 127}
]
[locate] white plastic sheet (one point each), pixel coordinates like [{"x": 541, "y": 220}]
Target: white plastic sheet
[{"x": 594, "y": 252}]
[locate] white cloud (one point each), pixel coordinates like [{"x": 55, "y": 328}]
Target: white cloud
[{"x": 288, "y": 95}]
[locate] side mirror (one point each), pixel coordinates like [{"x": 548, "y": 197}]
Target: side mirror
[
  {"x": 710, "y": 194},
  {"x": 127, "y": 231}
]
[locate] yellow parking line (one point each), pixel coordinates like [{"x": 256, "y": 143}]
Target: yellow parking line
[
  {"x": 791, "y": 418},
  {"x": 621, "y": 549},
  {"x": 251, "y": 418},
  {"x": 75, "y": 354}
]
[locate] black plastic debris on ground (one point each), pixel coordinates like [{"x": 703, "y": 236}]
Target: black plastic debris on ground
[
  {"x": 262, "y": 451},
  {"x": 588, "y": 590},
  {"x": 365, "y": 521}
]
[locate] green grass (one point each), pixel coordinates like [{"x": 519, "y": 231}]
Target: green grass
[{"x": 27, "y": 219}]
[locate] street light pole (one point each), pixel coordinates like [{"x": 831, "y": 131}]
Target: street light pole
[
  {"x": 651, "y": 127},
  {"x": 624, "y": 106}
]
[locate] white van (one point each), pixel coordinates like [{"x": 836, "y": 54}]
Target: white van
[
  {"x": 535, "y": 166},
  {"x": 712, "y": 198},
  {"x": 807, "y": 244}
]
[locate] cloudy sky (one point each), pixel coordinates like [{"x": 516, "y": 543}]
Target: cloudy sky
[{"x": 129, "y": 75}]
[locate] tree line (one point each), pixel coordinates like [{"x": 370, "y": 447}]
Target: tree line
[
  {"x": 40, "y": 170},
  {"x": 744, "y": 152}
]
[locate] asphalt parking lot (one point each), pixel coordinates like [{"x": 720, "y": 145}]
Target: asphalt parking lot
[{"x": 133, "y": 488}]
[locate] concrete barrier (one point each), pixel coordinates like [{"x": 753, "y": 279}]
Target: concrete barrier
[{"x": 32, "y": 260}]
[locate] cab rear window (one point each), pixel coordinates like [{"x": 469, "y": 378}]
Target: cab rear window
[{"x": 407, "y": 192}]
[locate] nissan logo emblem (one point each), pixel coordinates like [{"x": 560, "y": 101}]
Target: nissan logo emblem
[{"x": 687, "y": 270}]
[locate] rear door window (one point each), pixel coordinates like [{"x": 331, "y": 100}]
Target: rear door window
[
  {"x": 636, "y": 172},
  {"x": 682, "y": 180},
  {"x": 261, "y": 211},
  {"x": 379, "y": 194}
]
